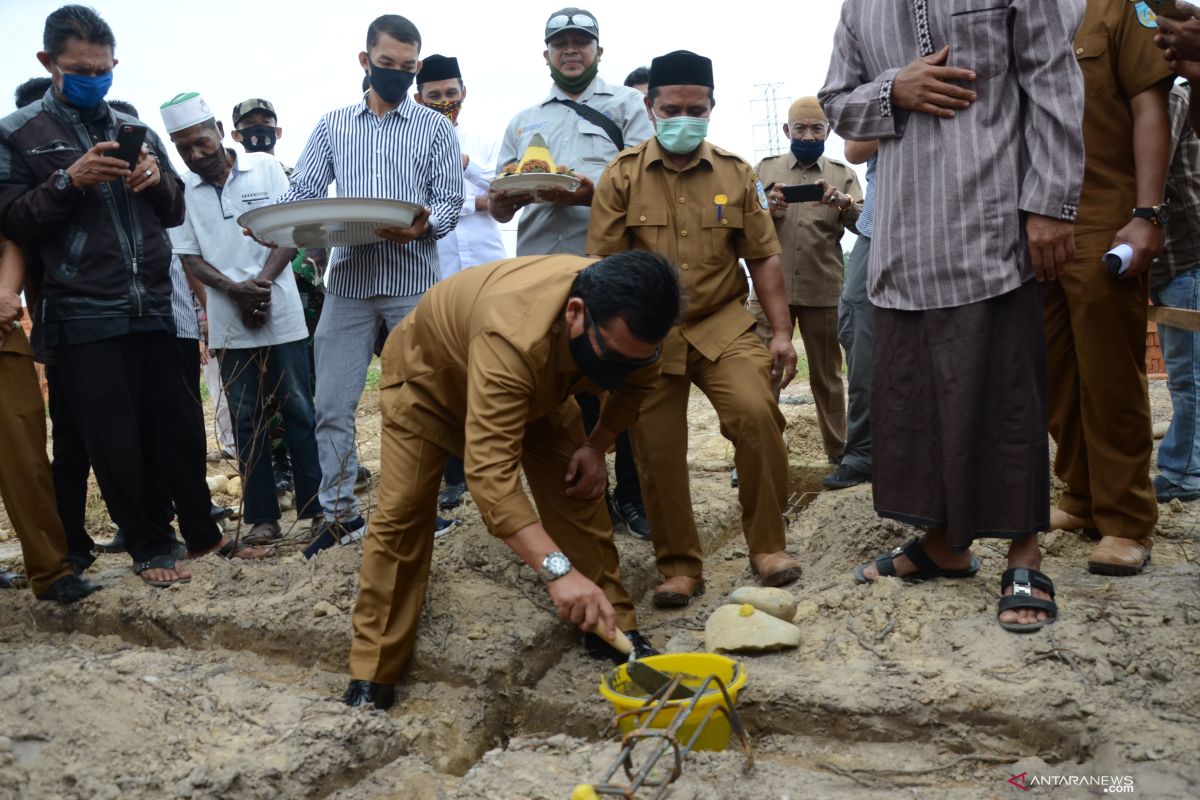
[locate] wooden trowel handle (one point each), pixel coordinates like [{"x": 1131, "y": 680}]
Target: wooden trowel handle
[{"x": 619, "y": 639}]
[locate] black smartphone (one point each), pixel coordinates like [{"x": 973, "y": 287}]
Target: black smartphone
[
  {"x": 130, "y": 138},
  {"x": 1167, "y": 8},
  {"x": 803, "y": 193}
]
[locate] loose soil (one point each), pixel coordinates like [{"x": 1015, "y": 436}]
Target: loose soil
[{"x": 228, "y": 687}]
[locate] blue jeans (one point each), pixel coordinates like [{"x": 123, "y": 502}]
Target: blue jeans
[
  {"x": 250, "y": 376},
  {"x": 1179, "y": 453}
]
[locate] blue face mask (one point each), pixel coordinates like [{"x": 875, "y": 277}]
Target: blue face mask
[
  {"x": 86, "y": 91},
  {"x": 680, "y": 135},
  {"x": 807, "y": 152}
]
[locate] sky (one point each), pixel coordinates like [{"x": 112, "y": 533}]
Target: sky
[{"x": 303, "y": 55}]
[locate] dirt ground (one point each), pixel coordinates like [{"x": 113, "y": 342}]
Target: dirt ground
[{"x": 227, "y": 687}]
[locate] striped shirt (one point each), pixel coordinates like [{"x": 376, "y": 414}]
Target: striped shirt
[
  {"x": 948, "y": 227},
  {"x": 410, "y": 153},
  {"x": 183, "y": 304},
  {"x": 1182, "y": 251}
]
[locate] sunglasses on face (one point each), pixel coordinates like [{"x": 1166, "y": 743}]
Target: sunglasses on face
[{"x": 617, "y": 358}]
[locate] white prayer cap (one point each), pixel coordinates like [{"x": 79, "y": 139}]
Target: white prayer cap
[{"x": 184, "y": 111}]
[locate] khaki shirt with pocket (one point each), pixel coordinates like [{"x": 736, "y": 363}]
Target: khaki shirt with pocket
[
  {"x": 703, "y": 218},
  {"x": 484, "y": 356}
]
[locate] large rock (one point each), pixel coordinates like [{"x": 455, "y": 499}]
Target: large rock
[
  {"x": 1161, "y": 428},
  {"x": 744, "y": 628},
  {"x": 776, "y": 602},
  {"x": 234, "y": 487}
]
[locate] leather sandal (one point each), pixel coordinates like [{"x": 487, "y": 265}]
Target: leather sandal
[
  {"x": 1024, "y": 580},
  {"x": 264, "y": 533},
  {"x": 159, "y": 562},
  {"x": 1119, "y": 556},
  {"x": 775, "y": 569},
  {"x": 677, "y": 591},
  {"x": 927, "y": 568}
]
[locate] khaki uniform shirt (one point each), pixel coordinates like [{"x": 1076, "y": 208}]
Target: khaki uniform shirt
[
  {"x": 644, "y": 203},
  {"x": 810, "y": 236},
  {"x": 484, "y": 354},
  {"x": 1119, "y": 59}
]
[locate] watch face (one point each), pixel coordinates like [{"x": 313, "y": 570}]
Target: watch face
[{"x": 557, "y": 564}]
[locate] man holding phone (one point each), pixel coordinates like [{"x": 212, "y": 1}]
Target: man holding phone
[
  {"x": 105, "y": 304},
  {"x": 813, "y": 199}
]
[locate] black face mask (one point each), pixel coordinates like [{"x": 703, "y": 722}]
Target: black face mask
[
  {"x": 606, "y": 373},
  {"x": 258, "y": 138},
  {"x": 391, "y": 85}
]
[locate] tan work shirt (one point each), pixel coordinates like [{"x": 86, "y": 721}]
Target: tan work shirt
[
  {"x": 703, "y": 218},
  {"x": 1119, "y": 59},
  {"x": 484, "y": 354},
  {"x": 810, "y": 236}
]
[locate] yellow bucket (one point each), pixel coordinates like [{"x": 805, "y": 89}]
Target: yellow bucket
[{"x": 625, "y": 695}]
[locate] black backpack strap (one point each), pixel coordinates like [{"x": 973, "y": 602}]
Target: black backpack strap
[{"x": 596, "y": 118}]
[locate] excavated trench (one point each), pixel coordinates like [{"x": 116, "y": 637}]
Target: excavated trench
[{"x": 236, "y": 677}]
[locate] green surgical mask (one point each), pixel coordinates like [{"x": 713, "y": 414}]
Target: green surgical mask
[
  {"x": 680, "y": 135},
  {"x": 575, "y": 85}
]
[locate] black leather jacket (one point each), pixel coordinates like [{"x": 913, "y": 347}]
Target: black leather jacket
[{"x": 95, "y": 264}]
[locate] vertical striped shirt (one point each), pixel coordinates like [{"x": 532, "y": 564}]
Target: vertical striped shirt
[
  {"x": 410, "y": 153},
  {"x": 866, "y": 217},
  {"x": 183, "y": 304},
  {"x": 948, "y": 228}
]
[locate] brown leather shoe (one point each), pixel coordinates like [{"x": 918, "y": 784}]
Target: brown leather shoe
[
  {"x": 775, "y": 569},
  {"x": 1117, "y": 556},
  {"x": 1062, "y": 521},
  {"x": 677, "y": 591}
]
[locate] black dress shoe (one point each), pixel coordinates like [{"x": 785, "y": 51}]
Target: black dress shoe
[
  {"x": 598, "y": 648},
  {"x": 452, "y": 496},
  {"x": 633, "y": 515},
  {"x": 844, "y": 477},
  {"x": 115, "y": 545},
  {"x": 362, "y": 693},
  {"x": 68, "y": 589},
  {"x": 219, "y": 513}
]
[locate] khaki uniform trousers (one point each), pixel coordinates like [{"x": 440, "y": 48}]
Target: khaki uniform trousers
[
  {"x": 738, "y": 384},
  {"x": 1099, "y": 409},
  {"x": 819, "y": 331},
  {"x": 25, "y": 482},
  {"x": 398, "y": 549}
]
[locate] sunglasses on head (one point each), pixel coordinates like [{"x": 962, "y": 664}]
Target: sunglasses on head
[
  {"x": 617, "y": 358},
  {"x": 563, "y": 20}
]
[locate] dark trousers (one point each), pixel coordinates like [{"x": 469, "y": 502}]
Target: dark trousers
[
  {"x": 455, "y": 471},
  {"x": 187, "y": 473},
  {"x": 855, "y": 332},
  {"x": 120, "y": 393},
  {"x": 70, "y": 469},
  {"x": 250, "y": 375},
  {"x": 628, "y": 488}
]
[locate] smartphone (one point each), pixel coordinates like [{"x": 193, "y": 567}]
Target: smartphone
[
  {"x": 130, "y": 138},
  {"x": 803, "y": 193},
  {"x": 1167, "y": 8}
]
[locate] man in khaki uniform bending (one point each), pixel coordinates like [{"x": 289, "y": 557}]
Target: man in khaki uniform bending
[
  {"x": 704, "y": 208},
  {"x": 485, "y": 368}
]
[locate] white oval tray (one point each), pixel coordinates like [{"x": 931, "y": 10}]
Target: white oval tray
[
  {"x": 328, "y": 221},
  {"x": 533, "y": 182}
]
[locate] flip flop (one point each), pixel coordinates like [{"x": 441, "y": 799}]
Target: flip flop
[
  {"x": 926, "y": 567},
  {"x": 159, "y": 562},
  {"x": 1024, "y": 580}
]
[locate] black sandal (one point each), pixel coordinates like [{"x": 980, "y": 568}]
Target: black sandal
[
  {"x": 926, "y": 568},
  {"x": 1024, "y": 580},
  {"x": 159, "y": 562}
]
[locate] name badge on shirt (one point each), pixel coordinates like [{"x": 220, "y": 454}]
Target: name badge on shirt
[{"x": 1145, "y": 16}]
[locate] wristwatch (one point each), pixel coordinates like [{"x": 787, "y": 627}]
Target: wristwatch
[
  {"x": 1159, "y": 214},
  {"x": 554, "y": 566},
  {"x": 62, "y": 181}
]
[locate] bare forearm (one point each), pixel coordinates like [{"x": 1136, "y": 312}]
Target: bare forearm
[
  {"x": 768, "y": 286},
  {"x": 205, "y": 273},
  {"x": 532, "y": 543},
  {"x": 280, "y": 258},
  {"x": 601, "y": 438},
  {"x": 1151, "y": 144},
  {"x": 198, "y": 288},
  {"x": 861, "y": 152},
  {"x": 12, "y": 267}
]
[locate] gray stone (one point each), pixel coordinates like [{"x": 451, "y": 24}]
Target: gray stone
[
  {"x": 778, "y": 603},
  {"x": 744, "y": 628}
]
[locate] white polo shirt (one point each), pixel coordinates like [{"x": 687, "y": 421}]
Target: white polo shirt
[
  {"x": 476, "y": 240},
  {"x": 210, "y": 230}
]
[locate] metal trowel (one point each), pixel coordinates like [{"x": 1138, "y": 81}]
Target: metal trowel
[{"x": 644, "y": 675}]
